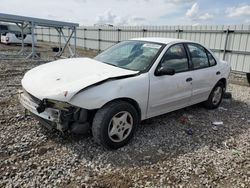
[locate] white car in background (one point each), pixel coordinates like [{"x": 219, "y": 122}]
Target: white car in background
[
  {"x": 132, "y": 81},
  {"x": 12, "y": 38}
]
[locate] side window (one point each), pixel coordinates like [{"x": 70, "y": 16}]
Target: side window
[
  {"x": 211, "y": 59},
  {"x": 198, "y": 56},
  {"x": 176, "y": 58},
  {"x": 3, "y": 27}
]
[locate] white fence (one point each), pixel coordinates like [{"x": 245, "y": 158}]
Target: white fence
[{"x": 231, "y": 43}]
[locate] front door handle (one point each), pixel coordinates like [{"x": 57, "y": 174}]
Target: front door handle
[
  {"x": 218, "y": 73},
  {"x": 189, "y": 79}
]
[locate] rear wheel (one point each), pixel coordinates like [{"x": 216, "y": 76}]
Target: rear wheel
[
  {"x": 215, "y": 96},
  {"x": 114, "y": 124}
]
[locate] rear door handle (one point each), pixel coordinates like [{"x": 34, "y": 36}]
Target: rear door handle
[
  {"x": 218, "y": 73},
  {"x": 189, "y": 79}
]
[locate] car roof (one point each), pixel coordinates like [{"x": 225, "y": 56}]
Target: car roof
[{"x": 160, "y": 40}]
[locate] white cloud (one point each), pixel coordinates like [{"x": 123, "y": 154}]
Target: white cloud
[
  {"x": 85, "y": 12},
  {"x": 205, "y": 16},
  {"x": 194, "y": 13},
  {"x": 242, "y": 10},
  {"x": 109, "y": 17},
  {"x": 196, "y": 24}
]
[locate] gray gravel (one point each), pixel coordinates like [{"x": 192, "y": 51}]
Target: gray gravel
[{"x": 166, "y": 151}]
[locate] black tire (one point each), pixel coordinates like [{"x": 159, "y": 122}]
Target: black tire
[
  {"x": 248, "y": 77},
  {"x": 102, "y": 121},
  {"x": 209, "y": 104}
]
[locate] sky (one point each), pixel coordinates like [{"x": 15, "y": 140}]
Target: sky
[{"x": 134, "y": 12}]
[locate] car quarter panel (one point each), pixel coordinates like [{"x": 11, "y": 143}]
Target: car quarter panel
[
  {"x": 96, "y": 96},
  {"x": 213, "y": 75},
  {"x": 224, "y": 68}
]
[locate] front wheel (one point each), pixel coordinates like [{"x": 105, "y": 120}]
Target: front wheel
[
  {"x": 114, "y": 124},
  {"x": 215, "y": 96}
]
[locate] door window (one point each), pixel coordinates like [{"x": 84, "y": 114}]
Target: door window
[
  {"x": 211, "y": 59},
  {"x": 198, "y": 56},
  {"x": 176, "y": 58}
]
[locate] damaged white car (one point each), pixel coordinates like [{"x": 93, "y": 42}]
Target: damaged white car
[{"x": 132, "y": 81}]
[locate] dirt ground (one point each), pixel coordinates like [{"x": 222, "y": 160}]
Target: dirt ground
[{"x": 166, "y": 151}]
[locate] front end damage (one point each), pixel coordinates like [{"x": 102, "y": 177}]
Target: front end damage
[
  {"x": 57, "y": 115},
  {"x": 62, "y": 80}
]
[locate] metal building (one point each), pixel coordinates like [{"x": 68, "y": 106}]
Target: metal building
[{"x": 22, "y": 22}]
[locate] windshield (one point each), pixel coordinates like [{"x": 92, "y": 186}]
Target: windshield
[{"x": 132, "y": 55}]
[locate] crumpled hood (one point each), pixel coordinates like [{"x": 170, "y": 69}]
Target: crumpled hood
[{"x": 62, "y": 79}]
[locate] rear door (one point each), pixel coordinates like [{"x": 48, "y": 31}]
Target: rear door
[
  {"x": 203, "y": 74},
  {"x": 171, "y": 92}
]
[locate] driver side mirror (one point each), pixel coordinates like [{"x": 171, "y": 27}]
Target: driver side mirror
[{"x": 164, "y": 71}]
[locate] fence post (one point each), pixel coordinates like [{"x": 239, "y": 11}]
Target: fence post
[
  {"x": 49, "y": 35},
  {"x": 84, "y": 38},
  {"x": 75, "y": 35},
  {"x": 68, "y": 36},
  {"x": 118, "y": 35},
  {"x": 99, "y": 39},
  {"x": 41, "y": 33},
  {"x": 225, "y": 45},
  {"x": 178, "y": 32},
  {"x": 60, "y": 39},
  {"x": 144, "y": 32}
]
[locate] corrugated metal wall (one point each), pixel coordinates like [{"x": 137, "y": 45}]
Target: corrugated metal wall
[{"x": 231, "y": 43}]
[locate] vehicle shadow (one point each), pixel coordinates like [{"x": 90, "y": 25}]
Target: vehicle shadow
[{"x": 167, "y": 136}]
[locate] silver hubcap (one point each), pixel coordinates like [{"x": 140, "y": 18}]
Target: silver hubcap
[
  {"x": 120, "y": 126},
  {"x": 217, "y": 95}
]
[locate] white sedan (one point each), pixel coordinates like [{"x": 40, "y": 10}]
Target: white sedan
[
  {"x": 12, "y": 38},
  {"x": 132, "y": 81}
]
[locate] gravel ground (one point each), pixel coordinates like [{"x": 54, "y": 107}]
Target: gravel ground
[{"x": 179, "y": 149}]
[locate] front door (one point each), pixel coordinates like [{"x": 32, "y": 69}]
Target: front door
[{"x": 170, "y": 92}]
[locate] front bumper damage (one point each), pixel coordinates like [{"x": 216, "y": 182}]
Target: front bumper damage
[
  {"x": 31, "y": 105},
  {"x": 55, "y": 114}
]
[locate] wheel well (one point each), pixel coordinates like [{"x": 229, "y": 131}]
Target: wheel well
[
  {"x": 224, "y": 81},
  {"x": 130, "y": 101}
]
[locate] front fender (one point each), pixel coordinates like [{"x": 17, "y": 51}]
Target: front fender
[{"x": 96, "y": 96}]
